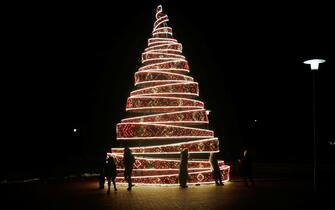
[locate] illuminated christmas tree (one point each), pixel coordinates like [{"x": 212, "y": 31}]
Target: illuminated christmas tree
[{"x": 166, "y": 117}]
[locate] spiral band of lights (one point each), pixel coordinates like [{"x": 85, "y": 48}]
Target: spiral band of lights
[
  {"x": 167, "y": 111},
  {"x": 198, "y": 146}
]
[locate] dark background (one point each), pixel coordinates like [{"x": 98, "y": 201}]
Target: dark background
[{"x": 72, "y": 65}]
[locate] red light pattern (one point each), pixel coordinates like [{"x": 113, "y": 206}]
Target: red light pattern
[
  {"x": 148, "y": 77},
  {"x": 165, "y": 108},
  {"x": 182, "y": 117},
  {"x": 138, "y": 130},
  {"x": 198, "y": 146},
  {"x": 137, "y": 102},
  {"x": 182, "y": 89}
]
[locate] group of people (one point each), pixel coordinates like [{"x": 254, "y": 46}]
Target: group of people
[{"x": 110, "y": 170}]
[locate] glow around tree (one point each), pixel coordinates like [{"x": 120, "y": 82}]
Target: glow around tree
[{"x": 165, "y": 116}]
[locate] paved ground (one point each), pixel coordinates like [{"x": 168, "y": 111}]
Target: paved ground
[{"x": 269, "y": 193}]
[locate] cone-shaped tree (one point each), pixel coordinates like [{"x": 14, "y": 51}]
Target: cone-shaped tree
[{"x": 165, "y": 116}]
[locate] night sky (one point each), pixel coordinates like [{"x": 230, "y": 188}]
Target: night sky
[{"x": 71, "y": 66}]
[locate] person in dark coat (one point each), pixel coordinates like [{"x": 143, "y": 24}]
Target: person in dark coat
[
  {"x": 183, "y": 169},
  {"x": 110, "y": 172},
  {"x": 247, "y": 165},
  {"x": 128, "y": 162},
  {"x": 215, "y": 168}
]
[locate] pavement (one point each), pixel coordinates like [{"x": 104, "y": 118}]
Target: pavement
[{"x": 272, "y": 191}]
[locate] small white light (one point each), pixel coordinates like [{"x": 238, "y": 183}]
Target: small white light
[
  {"x": 256, "y": 120},
  {"x": 208, "y": 111},
  {"x": 314, "y": 63},
  {"x": 75, "y": 130}
]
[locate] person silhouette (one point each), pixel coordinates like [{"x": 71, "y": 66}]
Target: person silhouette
[
  {"x": 128, "y": 162},
  {"x": 247, "y": 167},
  {"x": 110, "y": 172},
  {"x": 183, "y": 171},
  {"x": 215, "y": 168},
  {"x": 102, "y": 177}
]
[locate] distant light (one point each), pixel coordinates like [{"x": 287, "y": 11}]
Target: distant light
[
  {"x": 256, "y": 120},
  {"x": 314, "y": 63},
  {"x": 75, "y": 130},
  {"x": 208, "y": 111}
]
